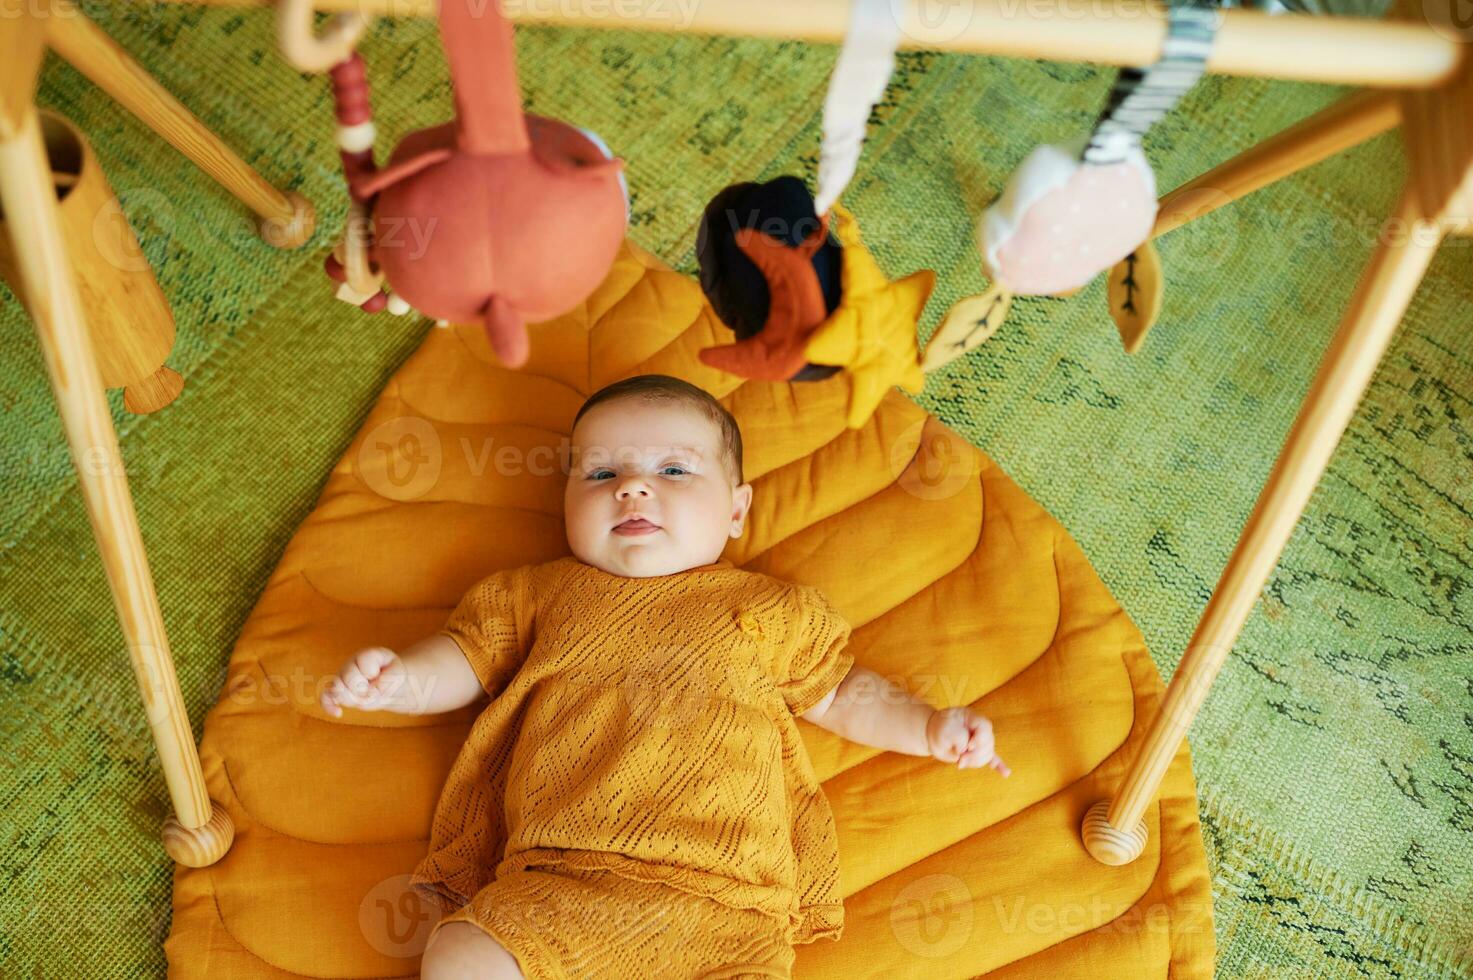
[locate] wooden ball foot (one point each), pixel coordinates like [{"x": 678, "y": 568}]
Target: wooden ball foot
[
  {"x": 1107, "y": 844},
  {"x": 200, "y": 846},
  {"x": 153, "y": 392},
  {"x": 291, "y": 232}
]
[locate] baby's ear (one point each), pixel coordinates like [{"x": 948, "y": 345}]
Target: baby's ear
[{"x": 741, "y": 505}]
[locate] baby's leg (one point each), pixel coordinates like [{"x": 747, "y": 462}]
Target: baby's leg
[{"x": 462, "y": 951}]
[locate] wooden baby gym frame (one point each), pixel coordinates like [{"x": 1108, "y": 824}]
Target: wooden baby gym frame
[{"x": 1416, "y": 71}]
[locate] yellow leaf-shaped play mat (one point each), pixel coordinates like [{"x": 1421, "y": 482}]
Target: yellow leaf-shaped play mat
[{"x": 953, "y": 578}]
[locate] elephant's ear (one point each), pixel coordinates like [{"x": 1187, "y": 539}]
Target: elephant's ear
[
  {"x": 565, "y": 167},
  {"x": 371, "y": 185},
  {"x": 599, "y": 168},
  {"x": 507, "y": 332}
]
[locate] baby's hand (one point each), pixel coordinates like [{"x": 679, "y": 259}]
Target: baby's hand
[
  {"x": 963, "y": 736},
  {"x": 368, "y": 681}
]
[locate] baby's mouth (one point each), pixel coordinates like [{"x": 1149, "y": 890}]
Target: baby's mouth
[{"x": 636, "y": 525}]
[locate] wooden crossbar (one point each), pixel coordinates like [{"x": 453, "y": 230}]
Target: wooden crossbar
[{"x": 1295, "y": 47}]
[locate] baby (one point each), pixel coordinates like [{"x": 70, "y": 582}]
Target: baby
[{"x": 636, "y": 800}]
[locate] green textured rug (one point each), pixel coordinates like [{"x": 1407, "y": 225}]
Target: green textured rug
[{"x": 1334, "y": 756}]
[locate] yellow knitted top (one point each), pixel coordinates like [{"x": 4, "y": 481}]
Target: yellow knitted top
[{"x": 646, "y": 726}]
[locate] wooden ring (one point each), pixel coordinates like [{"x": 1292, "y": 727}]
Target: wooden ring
[
  {"x": 309, "y": 52},
  {"x": 361, "y": 275}
]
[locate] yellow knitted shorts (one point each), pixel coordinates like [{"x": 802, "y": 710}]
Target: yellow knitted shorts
[{"x": 573, "y": 923}]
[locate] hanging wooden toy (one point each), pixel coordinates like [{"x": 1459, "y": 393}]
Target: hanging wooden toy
[
  {"x": 789, "y": 273},
  {"x": 497, "y": 217},
  {"x": 1069, "y": 212}
]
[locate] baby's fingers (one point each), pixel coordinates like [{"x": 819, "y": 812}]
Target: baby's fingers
[
  {"x": 975, "y": 761},
  {"x": 981, "y": 731},
  {"x": 332, "y": 697},
  {"x": 980, "y": 744},
  {"x": 355, "y": 681},
  {"x": 951, "y": 741},
  {"x": 372, "y": 660}
]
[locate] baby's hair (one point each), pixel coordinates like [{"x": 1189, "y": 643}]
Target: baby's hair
[{"x": 664, "y": 388}]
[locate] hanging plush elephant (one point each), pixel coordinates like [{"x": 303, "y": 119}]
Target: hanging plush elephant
[{"x": 497, "y": 217}]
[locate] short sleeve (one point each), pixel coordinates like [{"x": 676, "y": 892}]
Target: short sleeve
[
  {"x": 491, "y": 624},
  {"x": 816, "y": 658}
]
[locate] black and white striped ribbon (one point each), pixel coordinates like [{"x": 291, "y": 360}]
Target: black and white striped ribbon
[{"x": 1142, "y": 96}]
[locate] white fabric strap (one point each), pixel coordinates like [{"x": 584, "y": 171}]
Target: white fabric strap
[{"x": 865, "y": 64}]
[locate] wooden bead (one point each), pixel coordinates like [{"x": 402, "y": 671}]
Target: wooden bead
[
  {"x": 200, "y": 846},
  {"x": 292, "y": 232},
  {"x": 1105, "y": 843}
]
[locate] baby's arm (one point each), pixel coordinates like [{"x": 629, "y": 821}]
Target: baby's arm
[
  {"x": 431, "y": 676},
  {"x": 866, "y": 708}
]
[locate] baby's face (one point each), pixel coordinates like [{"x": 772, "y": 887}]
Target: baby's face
[{"x": 658, "y": 462}]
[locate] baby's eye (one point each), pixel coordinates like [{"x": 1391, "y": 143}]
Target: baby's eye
[
  {"x": 673, "y": 470},
  {"x": 600, "y": 474}
]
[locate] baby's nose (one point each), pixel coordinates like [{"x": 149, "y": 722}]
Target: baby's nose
[{"x": 630, "y": 488}]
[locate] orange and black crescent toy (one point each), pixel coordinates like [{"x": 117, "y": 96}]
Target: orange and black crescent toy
[{"x": 795, "y": 308}]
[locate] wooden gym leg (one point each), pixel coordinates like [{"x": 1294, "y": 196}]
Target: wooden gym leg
[
  {"x": 287, "y": 219},
  {"x": 1338, "y": 127},
  {"x": 198, "y": 833},
  {"x": 1114, "y": 831}
]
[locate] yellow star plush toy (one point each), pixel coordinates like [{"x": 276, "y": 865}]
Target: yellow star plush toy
[{"x": 872, "y": 332}]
